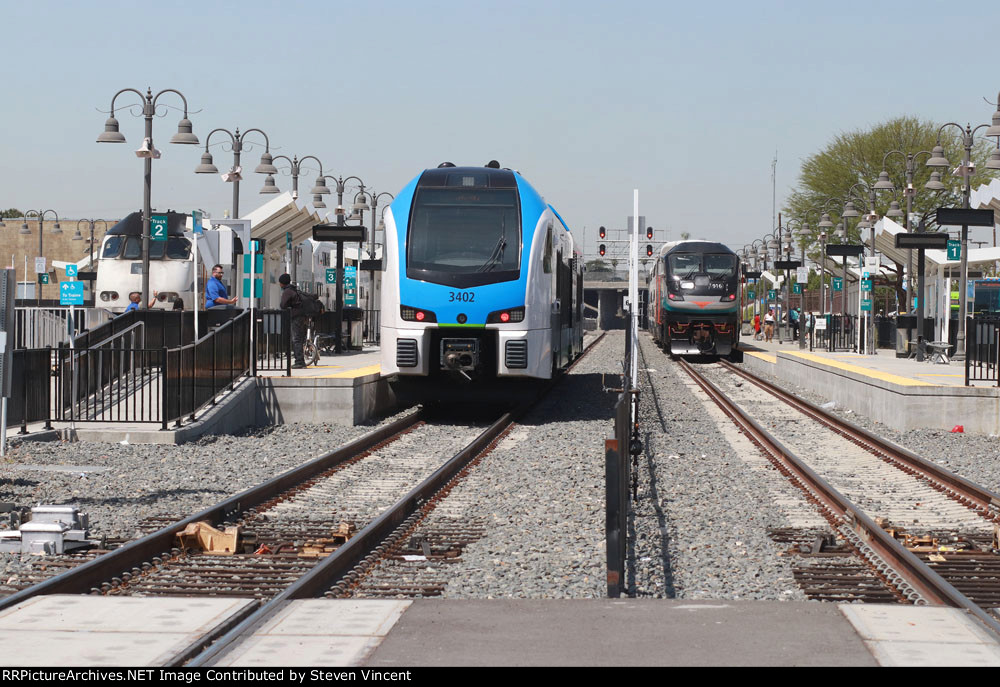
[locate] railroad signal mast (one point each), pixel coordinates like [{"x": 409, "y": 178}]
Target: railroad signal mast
[{"x": 617, "y": 248}]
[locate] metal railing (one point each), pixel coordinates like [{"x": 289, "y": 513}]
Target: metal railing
[
  {"x": 38, "y": 327},
  {"x": 839, "y": 333},
  {"x": 272, "y": 341},
  {"x": 197, "y": 373},
  {"x": 113, "y": 383},
  {"x": 982, "y": 349},
  {"x": 31, "y": 388}
]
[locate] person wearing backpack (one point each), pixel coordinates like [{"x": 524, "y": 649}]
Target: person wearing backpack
[{"x": 292, "y": 300}]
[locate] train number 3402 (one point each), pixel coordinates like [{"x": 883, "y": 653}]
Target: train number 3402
[{"x": 461, "y": 296}]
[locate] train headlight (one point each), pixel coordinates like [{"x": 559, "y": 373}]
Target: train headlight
[
  {"x": 674, "y": 297},
  {"x": 411, "y": 314},
  {"x": 105, "y": 296},
  {"x": 506, "y": 315}
]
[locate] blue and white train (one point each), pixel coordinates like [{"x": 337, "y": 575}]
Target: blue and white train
[{"x": 482, "y": 282}]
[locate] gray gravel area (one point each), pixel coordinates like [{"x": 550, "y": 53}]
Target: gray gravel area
[
  {"x": 704, "y": 511},
  {"x": 540, "y": 494},
  {"x": 973, "y": 456}
]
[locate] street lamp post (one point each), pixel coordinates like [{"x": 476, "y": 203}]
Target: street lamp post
[
  {"x": 234, "y": 175},
  {"x": 78, "y": 237},
  {"x": 318, "y": 191},
  {"x": 966, "y": 170},
  {"x": 56, "y": 229},
  {"x": 184, "y": 136},
  {"x": 371, "y": 253}
]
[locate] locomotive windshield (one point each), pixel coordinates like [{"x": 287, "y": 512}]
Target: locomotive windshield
[
  {"x": 464, "y": 237},
  {"x": 130, "y": 248},
  {"x": 717, "y": 266}
]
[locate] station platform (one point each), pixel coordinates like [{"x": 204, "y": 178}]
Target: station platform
[
  {"x": 389, "y": 635},
  {"x": 345, "y": 388},
  {"x": 901, "y": 393}
]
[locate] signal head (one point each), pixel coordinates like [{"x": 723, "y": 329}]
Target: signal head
[
  {"x": 602, "y": 232},
  {"x": 649, "y": 233},
  {"x": 649, "y": 251},
  {"x": 601, "y": 249}
]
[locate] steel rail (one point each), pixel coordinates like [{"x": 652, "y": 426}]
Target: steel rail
[
  {"x": 986, "y": 501},
  {"x": 919, "y": 575},
  {"x": 83, "y": 578},
  {"x": 338, "y": 564}
]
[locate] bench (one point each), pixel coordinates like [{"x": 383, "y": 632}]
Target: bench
[{"x": 938, "y": 351}]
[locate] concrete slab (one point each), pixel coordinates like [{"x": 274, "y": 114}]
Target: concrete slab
[
  {"x": 319, "y": 632},
  {"x": 923, "y": 636},
  {"x": 67, "y": 630},
  {"x": 604, "y": 632}
]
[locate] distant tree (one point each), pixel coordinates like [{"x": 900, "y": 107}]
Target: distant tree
[
  {"x": 685, "y": 235},
  {"x": 11, "y": 213},
  {"x": 827, "y": 177},
  {"x": 597, "y": 266}
]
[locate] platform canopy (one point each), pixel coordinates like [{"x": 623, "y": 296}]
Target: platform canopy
[
  {"x": 284, "y": 214},
  {"x": 987, "y": 197},
  {"x": 885, "y": 243}
]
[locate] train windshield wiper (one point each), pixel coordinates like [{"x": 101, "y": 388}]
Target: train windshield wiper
[{"x": 496, "y": 256}]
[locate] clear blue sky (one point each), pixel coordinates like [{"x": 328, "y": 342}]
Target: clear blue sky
[{"x": 687, "y": 102}]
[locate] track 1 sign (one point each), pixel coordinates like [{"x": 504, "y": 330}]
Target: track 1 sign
[{"x": 838, "y": 283}]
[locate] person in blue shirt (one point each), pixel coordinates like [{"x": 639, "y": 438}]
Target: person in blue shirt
[
  {"x": 215, "y": 291},
  {"x": 134, "y": 299}
]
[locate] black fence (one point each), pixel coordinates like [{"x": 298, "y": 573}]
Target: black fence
[
  {"x": 617, "y": 467},
  {"x": 272, "y": 341},
  {"x": 982, "y": 348},
  {"x": 31, "y": 387},
  {"x": 112, "y": 383},
  {"x": 197, "y": 373},
  {"x": 839, "y": 334}
]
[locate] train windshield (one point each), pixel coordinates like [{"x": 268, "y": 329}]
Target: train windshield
[
  {"x": 717, "y": 266},
  {"x": 464, "y": 237},
  {"x": 130, "y": 248}
]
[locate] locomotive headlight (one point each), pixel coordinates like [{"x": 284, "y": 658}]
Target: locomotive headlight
[
  {"x": 411, "y": 314},
  {"x": 506, "y": 315},
  {"x": 105, "y": 296}
]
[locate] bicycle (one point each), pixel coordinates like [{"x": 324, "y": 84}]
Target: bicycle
[{"x": 316, "y": 343}]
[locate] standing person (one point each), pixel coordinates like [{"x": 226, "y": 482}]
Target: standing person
[
  {"x": 134, "y": 299},
  {"x": 290, "y": 299},
  {"x": 769, "y": 325},
  {"x": 756, "y": 326},
  {"x": 215, "y": 291},
  {"x": 793, "y": 318}
]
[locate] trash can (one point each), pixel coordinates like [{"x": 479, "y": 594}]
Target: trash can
[
  {"x": 906, "y": 326},
  {"x": 353, "y": 327}
]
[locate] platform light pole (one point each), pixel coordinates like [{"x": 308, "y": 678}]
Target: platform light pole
[
  {"x": 235, "y": 174},
  {"x": 295, "y": 169},
  {"x": 371, "y": 251},
  {"x": 56, "y": 229},
  {"x": 965, "y": 170},
  {"x": 184, "y": 136}
]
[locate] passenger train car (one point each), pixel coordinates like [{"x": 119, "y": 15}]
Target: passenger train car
[
  {"x": 482, "y": 282},
  {"x": 694, "y": 297},
  {"x": 119, "y": 270}
]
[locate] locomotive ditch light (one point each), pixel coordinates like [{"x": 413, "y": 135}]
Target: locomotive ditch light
[{"x": 602, "y": 232}]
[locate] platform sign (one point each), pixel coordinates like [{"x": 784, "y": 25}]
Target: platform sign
[
  {"x": 71, "y": 270},
  {"x": 802, "y": 275},
  {"x": 797, "y": 289},
  {"x": 838, "y": 283},
  {"x": 751, "y": 295},
  {"x": 258, "y": 287},
  {"x": 288, "y": 240},
  {"x": 771, "y": 295},
  {"x": 71, "y": 293},
  {"x": 351, "y": 286},
  {"x": 196, "y": 226},
  {"x": 43, "y": 278},
  {"x": 331, "y": 275},
  {"x": 866, "y": 305},
  {"x": 954, "y": 249},
  {"x": 820, "y": 324},
  {"x": 258, "y": 264},
  {"x": 866, "y": 284},
  {"x": 158, "y": 227},
  {"x": 40, "y": 265}
]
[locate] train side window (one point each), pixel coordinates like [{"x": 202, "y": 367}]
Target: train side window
[
  {"x": 547, "y": 256},
  {"x": 113, "y": 246},
  {"x": 133, "y": 248}
]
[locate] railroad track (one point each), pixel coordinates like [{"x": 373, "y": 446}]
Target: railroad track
[
  {"x": 311, "y": 532},
  {"x": 929, "y": 538}
]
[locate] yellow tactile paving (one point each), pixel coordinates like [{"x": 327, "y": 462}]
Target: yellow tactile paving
[
  {"x": 763, "y": 356},
  {"x": 884, "y": 376},
  {"x": 350, "y": 374}
]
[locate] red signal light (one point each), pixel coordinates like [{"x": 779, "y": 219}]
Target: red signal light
[
  {"x": 505, "y": 317},
  {"x": 601, "y": 249},
  {"x": 602, "y": 232},
  {"x": 649, "y": 233},
  {"x": 649, "y": 251}
]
